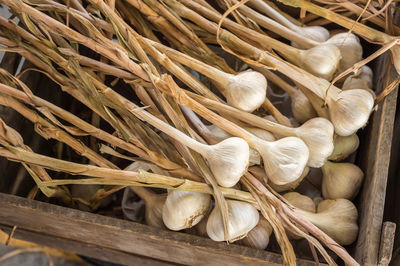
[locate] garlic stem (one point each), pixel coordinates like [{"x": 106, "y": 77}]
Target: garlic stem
[
  {"x": 372, "y": 35},
  {"x": 279, "y": 28},
  {"x": 246, "y": 90},
  {"x": 321, "y": 60},
  {"x": 316, "y": 33},
  {"x": 302, "y": 108}
]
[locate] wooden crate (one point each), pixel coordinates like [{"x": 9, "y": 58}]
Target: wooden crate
[{"x": 131, "y": 243}]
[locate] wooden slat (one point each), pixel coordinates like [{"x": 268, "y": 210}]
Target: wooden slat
[
  {"x": 375, "y": 157},
  {"x": 93, "y": 234},
  {"x": 387, "y": 239}
]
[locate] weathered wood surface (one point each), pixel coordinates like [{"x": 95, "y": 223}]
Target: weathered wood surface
[
  {"x": 374, "y": 158},
  {"x": 118, "y": 240},
  {"x": 387, "y": 239}
]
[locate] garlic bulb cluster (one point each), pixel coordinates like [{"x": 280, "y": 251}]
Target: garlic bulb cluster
[
  {"x": 258, "y": 237},
  {"x": 337, "y": 218},
  {"x": 343, "y": 147},
  {"x": 300, "y": 201},
  {"x": 183, "y": 209},
  {"x": 243, "y": 217},
  {"x": 254, "y": 157},
  {"x": 341, "y": 180}
]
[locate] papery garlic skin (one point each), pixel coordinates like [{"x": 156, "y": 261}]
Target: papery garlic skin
[
  {"x": 258, "y": 237},
  {"x": 228, "y": 160},
  {"x": 321, "y": 60},
  {"x": 341, "y": 180},
  {"x": 246, "y": 91},
  {"x": 284, "y": 159},
  {"x": 337, "y": 218},
  {"x": 317, "y": 133},
  {"x": 242, "y": 218},
  {"x": 350, "y": 110},
  {"x": 350, "y": 49},
  {"x": 300, "y": 201},
  {"x": 183, "y": 209},
  {"x": 344, "y": 147}
]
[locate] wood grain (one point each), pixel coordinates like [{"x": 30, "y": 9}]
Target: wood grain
[
  {"x": 374, "y": 158},
  {"x": 89, "y": 234}
]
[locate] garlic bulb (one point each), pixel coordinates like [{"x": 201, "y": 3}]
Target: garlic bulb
[
  {"x": 300, "y": 201},
  {"x": 258, "y": 237},
  {"x": 350, "y": 49},
  {"x": 317, "y": 133},
  {"x": 343, "y": 147},
  {"x": 243, "y": 217},
  {"x": 284, "y": 159},
  {"x": 302, "y": 108},
  {"x": 154, "y": 204},
  {"x": 322, "y": 60},
  {"x": 361, "y": 80},
  {"x": 337, "y": 218},
  {"x": 183, "y": 209},
  {"x": 341, "y": 180},
  {"x": 292, "y": 185},
  {"x": 246, "y": 90},
  {"x": 349, "y": 110}
]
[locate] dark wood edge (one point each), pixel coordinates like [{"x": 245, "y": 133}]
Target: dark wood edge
[
  {"x": 90, "y": 234},
  {"x": 375, "y": 154}
]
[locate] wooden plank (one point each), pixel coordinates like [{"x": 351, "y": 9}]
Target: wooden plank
[
  {"x": 387, "y": 239},
  {"x": 76, "y": 247},
  {"x": 375, "y": 154},
  {"x": 64, "y": 227}
]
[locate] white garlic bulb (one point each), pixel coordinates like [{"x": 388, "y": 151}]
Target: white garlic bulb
[
  {"x": 343, "y": 147},
  {"x": 300, "y": 201},
  {"x": 246, "y": 90},
  {"x": 258, "y": 237},
  {"x": 184, "y": 209},
  {"x": 337, "y": 218},
  {"x": 321, "y": 60},
  {"x": 341, "y": 180},
  {"x": 349, "y": 110},
  {"x": 243, "y": 217},
  {"x": 289, "y": 186},
  {"x": 350, "y": 49}
]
